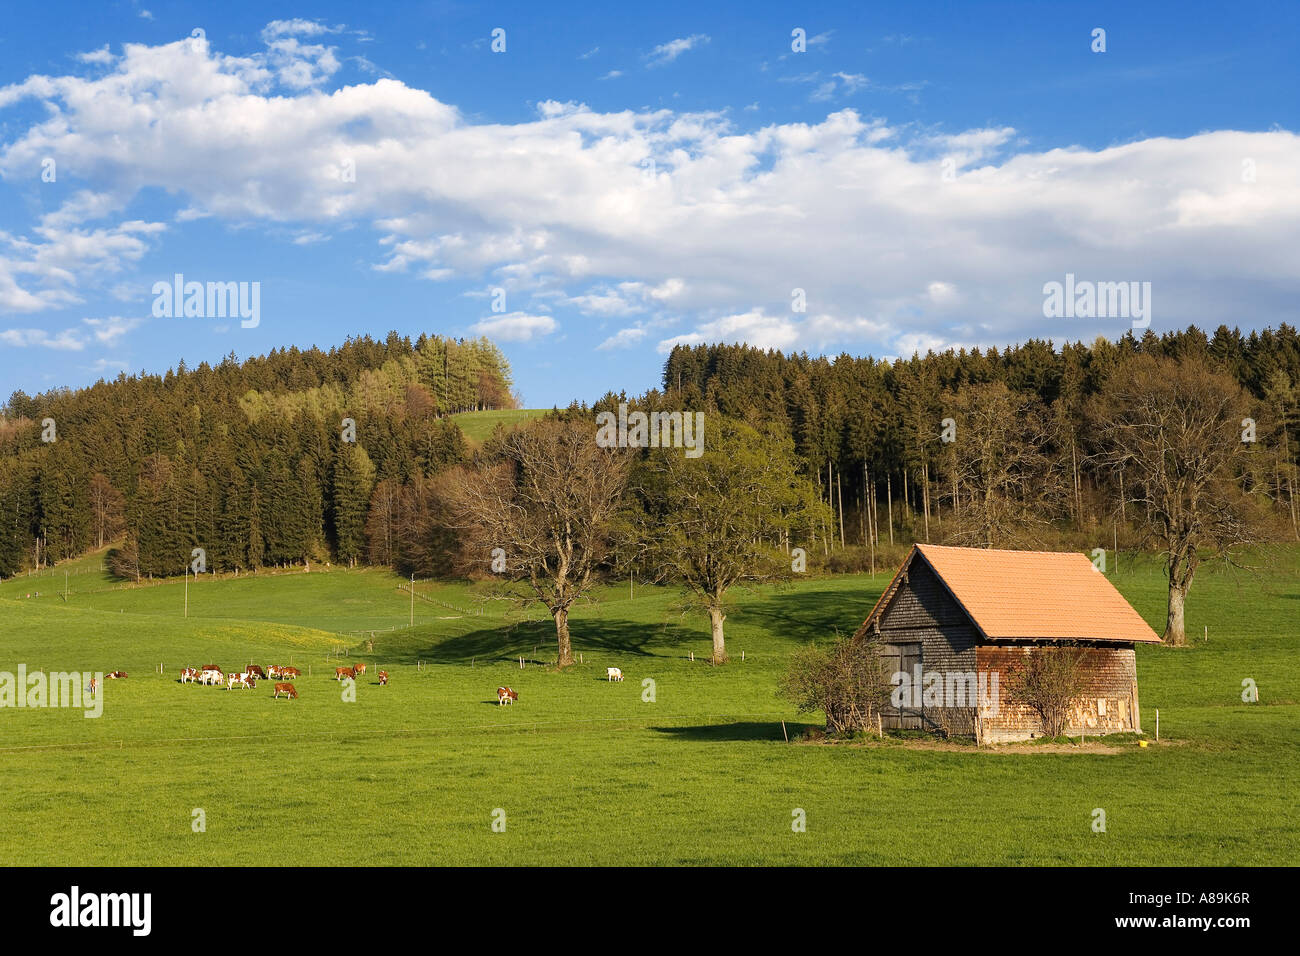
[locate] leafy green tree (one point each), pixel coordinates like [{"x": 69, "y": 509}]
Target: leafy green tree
[{"x": 720, "y": 520}]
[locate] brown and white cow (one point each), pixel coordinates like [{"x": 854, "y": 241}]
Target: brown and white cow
[
  {"x": 116, "y": 675},
  {"x": 290, "y": 672},
  {"x": 613, "y": 673},
  {"x": 287, "y": 689},
  {"x": 506, "y": 696},
  {"x": 383, "y": 678},
  {"x": 189, "y": 674},
  {"x": 213, "y": 667},
  {"x": 341, "y": 672},
  {"x": 242, "y": 680},
  {"x": 211, "y": 678},
  {"x": 255, "y": 671},
  {"x": 358, "y": 670}
]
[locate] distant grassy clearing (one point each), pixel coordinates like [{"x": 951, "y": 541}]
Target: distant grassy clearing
[{"x": 478, "y": 426}]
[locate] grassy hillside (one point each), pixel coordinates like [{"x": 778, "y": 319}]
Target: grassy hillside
[
  {"x": 588, "y": 771},
  {"x": 478, "y": 426}
]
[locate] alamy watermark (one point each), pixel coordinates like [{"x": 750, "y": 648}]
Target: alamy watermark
[
  {"x": 212, "y": 300},
  {"x": 651, "y": 430},
  {"x": 921, "y": 688},
  {"x": 57, "y": 689},
  {"x": 1084, "y": 299}
]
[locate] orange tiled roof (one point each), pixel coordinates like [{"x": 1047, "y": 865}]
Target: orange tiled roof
[{"x": 1046, "y": 595}]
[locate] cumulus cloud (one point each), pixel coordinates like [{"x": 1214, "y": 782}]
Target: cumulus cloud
[
  {"x": 515, "y": 327},
  {"x": 897, "y": 238}
]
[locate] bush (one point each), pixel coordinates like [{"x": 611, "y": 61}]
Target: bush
[{"x": 846, "y": 681}]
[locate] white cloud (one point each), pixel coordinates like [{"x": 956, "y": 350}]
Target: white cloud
[
  {"x": 635, "y": 212},
  {"x": 296, "y": 27},
  {"x": 108, "y": 331},
  {"x": 515, "y": 327},
  {"x": 753, "y": 328},
  {"x": 622, "y": 339},
  {"x": 667, "y": 52},
  {"x": 65, "y": 341},
  {"x": 101, "y": 56}
]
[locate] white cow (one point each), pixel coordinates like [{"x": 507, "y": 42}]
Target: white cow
[{"x": 613, "y": 673}]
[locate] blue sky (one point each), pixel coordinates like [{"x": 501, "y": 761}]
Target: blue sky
[{"x": 633, "y": 175}]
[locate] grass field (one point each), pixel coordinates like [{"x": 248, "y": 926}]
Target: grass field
[
  {"x": 478, "y": 426},
  {"x": 590, "y": 772}
]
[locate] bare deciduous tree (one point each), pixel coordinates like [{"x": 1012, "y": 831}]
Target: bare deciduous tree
[
  {"x": 107, "y": 509},
  {"x": 548, "y": 507},
  {"x": 1006, "y": 477},
  {"x": 1175, "y": 429},
  {"x": 1049, "y": 680}
]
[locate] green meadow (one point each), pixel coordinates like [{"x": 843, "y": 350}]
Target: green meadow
[
  {"x": 690, "y": 768},
  {"x": 479, "y": 426}
]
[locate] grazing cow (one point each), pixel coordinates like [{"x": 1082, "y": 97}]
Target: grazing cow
[
  {"x": 116, "y": 675},
  {"x": 93, "y": 687},
  {"x": 342, "y": 672},
  {"x": 613, "y": 673},
  {"x": 290, "y": 672},
  {"x": 211, "y": 677},
  {"x": 189, "y": 674},
  {"x": 274, "y": 671},
  {"x": 287, "y": 689},
  {"x": 383, "y": 678},
  {"x": 358, "y": 670},
  {"x": 255, "y": 671},
  {"x": 213, "y": 667},
  {"x": 506, "y": 696},
  {"x": 243, "y": 680}
]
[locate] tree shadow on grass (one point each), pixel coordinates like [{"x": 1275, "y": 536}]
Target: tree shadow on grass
[
  {"x": 743, "y": 730},
  {"x": 813, "y": 614},
  {"x": 535, "y": 642}
]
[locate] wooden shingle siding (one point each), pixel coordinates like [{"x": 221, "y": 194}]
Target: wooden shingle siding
[{"x": 1109, "y": 703}]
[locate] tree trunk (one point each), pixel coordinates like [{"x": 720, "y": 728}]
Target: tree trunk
[
  {"x": 1175, "y": 631},
  {"x": 925, "y": 497},
  {"x": 839, "y": 494},
  {"x": 716, "y": 617},
  {"x": 889, "y": 496},
  {"x": 562, "y": 633}
]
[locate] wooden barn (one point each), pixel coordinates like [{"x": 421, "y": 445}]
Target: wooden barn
[{"x": 954, "y": 620}]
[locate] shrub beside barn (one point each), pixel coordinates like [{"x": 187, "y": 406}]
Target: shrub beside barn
[{"x": 959, "y": 621}]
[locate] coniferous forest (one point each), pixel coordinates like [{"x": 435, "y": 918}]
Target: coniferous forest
[
  {"x": 314, "y": 456},
  {"x": 276, "y": 460}
]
